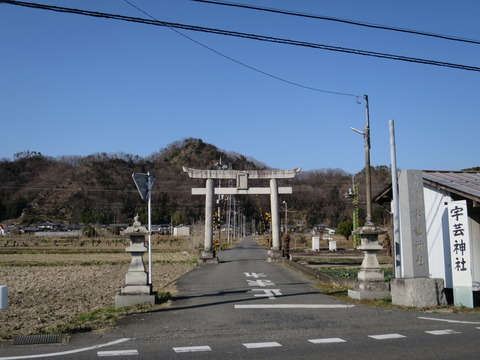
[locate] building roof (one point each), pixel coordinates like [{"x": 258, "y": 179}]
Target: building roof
[{"x": 463, "y": 183}]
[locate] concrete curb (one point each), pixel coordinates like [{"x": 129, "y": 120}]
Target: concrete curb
[{"x": 348, "y": 283}]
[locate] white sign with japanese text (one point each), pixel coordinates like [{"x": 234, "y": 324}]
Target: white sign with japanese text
[{"x": 460, "y": 253}]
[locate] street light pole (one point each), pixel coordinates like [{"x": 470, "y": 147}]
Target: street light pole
[
  {"x": 368, "y": 176},
  {"x": 370, "y": 278}
]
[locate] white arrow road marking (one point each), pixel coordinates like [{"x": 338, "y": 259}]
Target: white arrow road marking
[
  {"x": 255, "y": 275},
  {"x": 117, "y": 353},
  {"x": 261, "y": 283},
  {"x": 261, "y": 345},
  {"x": 63, "y": 353},
  {"x": 386, "y": 336},
  {"x": 442, "y": 332},
  {"x": 191, "y": 349},
  {"x": 450, "y": 321},
  {"x": 270, "y": 293},
  {"x": 293, "y": 306},
  {"x": 327, "y": 341}
]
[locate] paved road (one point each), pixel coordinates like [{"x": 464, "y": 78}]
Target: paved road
[{"x": 246, "y": 307}]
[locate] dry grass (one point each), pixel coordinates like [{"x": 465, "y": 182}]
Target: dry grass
[{"x": 47, "y": 289}]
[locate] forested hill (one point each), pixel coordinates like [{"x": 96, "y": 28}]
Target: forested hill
[{"x": 98, "y": 189}]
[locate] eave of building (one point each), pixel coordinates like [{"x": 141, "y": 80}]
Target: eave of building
[{"x": 465, "y": 184}]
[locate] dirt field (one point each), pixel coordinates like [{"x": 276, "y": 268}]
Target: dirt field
[{"x": 47, "y": 289}]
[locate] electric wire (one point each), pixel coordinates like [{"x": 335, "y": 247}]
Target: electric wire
[
  {"x": 346, "y": 21},
  {"x": 242, "y": 63},
  {"x": 247, "y": 36}
]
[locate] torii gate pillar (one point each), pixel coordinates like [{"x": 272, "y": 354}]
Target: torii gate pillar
[
  {"x": 208, "y": 252},
  {"x": 241, "y": 177},
  {"x": 276, "y": 243}
]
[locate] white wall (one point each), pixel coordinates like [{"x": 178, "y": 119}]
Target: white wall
[
  {"x": 438, "y": 240},
  {"x": 181, "y": 231},
  {"x": 474, "y": 224}
]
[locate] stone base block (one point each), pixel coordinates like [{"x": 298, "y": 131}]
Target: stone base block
[
  {"x": 123, "y": 300},
  {"x": 371, "y": 286},
  {"x": 370, "y": 290},
  {"x": 136, "y": 277},
  {"x": 418, "y": 292},
  {"x": 208, "y": 260},
  {"x": 361, "y": 295},
  {"x": 371, "y": 275},
  {"x": 136, "y": 289},
  {"x": 274, "y": 256}
]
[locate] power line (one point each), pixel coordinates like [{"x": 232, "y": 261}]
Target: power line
[
  {"x": 246, "y": 36},
  {"x": 345, "y": 21},
  {"x": 241, "y": 63}
]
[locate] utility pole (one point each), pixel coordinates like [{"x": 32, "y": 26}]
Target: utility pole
[
  {"x": 370, "y": 278},
  {"x": 368, "y": 177}
]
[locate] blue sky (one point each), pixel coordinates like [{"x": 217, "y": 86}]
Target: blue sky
[{"x": 77, "y": 85}]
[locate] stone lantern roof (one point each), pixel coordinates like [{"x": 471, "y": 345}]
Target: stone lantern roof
[{"x": 136, "y": 229}]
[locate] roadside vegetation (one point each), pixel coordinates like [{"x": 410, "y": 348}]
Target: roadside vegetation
[{"x": 67, "y": 288}]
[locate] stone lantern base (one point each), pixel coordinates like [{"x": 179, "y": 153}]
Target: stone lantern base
[{"x": 122, "y": 300}]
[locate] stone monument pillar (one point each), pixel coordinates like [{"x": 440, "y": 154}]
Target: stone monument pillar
[
  {"x": 136, "y": 289},
  {"x": 414, "y": 287},
  {"x": 370, "y": 282}
]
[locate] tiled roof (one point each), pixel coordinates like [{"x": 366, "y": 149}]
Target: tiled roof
[{"x": 464, "y": 183}]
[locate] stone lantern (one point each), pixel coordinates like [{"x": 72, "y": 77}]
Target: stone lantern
[
  {"x": 370, "y": 282},
  {"x": 137, "y": 290}
]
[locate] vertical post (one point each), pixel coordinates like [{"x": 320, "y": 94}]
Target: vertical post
[
  {"x": 234, "y": 218},
  {"x": 395, "y": 204},
  {"x": 3, "y": 297},
  {"x": 209, "y": 216},
  {"x": 368, "y": 220},
  {"x": 356, "y": 238},
  {"x": 229, "y": 218},
  {"x": 275, "y": 215},
  {"x": 150, "y": 185}
]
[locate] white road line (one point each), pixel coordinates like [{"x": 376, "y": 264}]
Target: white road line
[
  {"x": 451, "y": 321},
  {"x": 117, "y": 353},
  {"x": 63, "y": 353},
  {"x": 442, "y": 332},
  {"x": 327, "y": 341},
  {"x": 386, "y": 336},
  {"x": 191, "y": 349},
  {"x": 261, "y": 345},
  {"x": 293, "y": 306}
]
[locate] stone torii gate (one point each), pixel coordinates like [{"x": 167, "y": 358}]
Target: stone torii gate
[{"x": 242, "y": 188}]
